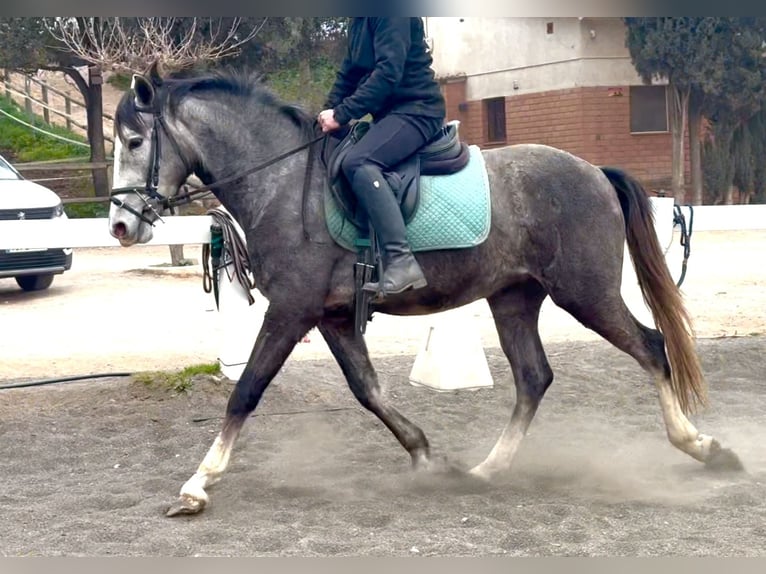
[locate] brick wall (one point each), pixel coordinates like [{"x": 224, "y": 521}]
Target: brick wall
[
  {"x": 607, "y": 140},
  {"x": 470, "y": 114},
  {"x": 588, "y": 122},
  {"x": 550, "y": 118},
  {"x": 454, "y": 92}
]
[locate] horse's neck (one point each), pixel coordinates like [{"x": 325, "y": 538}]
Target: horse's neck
[
  {"x": 270, "y": 201},
  {"x": 268, "y": 198}
]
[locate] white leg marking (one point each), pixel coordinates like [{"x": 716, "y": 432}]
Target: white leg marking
[
  {"x": 682, "y": 433},
  {"x": 209, "y": 471},
  {"x": 501, "y": 455}
]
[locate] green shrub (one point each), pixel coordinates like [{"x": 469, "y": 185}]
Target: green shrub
[
  {"x": 177, "y": 381},
  {"x": 290, "y": 84},
  {"x": 30, "y": 145},
  {"x": 717, "y": 167},
  {"x": 120, "y": 81},
  {"x": 87, "y": 210}
]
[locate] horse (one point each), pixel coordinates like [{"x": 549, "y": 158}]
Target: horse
[{"x": 558, "y": 229}]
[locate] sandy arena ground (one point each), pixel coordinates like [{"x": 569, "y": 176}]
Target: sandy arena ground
[{"x": 89, "y": 467}]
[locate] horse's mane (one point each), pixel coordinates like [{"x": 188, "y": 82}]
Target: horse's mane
[{"x": 247, "y": 85}]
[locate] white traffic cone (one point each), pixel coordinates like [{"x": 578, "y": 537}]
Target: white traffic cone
[
  {"x": 241, "y": 323},
  {"x": 452, "y": 357}
]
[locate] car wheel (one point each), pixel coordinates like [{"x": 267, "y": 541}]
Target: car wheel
[{"x": 34, "y": 282}]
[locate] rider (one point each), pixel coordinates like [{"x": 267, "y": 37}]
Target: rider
[{"x": 386, "y": 73}]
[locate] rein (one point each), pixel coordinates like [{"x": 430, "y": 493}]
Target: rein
[
  {"x": 150, "y": 189},
  {"x": 184, "y": 198}
]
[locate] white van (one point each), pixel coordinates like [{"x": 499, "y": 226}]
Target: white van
[{"x": 33, "y": 269}]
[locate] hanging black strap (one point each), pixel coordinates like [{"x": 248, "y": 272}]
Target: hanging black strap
[
  {"x": 686, "y": 236},
  {"x": 226, "y": 248}
]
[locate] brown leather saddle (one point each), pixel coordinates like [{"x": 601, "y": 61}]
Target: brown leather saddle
[{"x": 443, "y": 155}]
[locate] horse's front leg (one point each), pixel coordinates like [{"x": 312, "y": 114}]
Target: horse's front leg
[
  {"x": 277, "y": 338},
  {"x": 354, "y": 360}
]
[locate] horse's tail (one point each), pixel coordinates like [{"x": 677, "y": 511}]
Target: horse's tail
[{"x": 660, "y": 292}]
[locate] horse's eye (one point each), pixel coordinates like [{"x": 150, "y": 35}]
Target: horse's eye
[{"x": 135, "y": 143}]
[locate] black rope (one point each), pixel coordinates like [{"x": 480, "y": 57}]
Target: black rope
[
  {"x": 306, "y": 189},
  {"x": 686, "y": 236},
  {"x": 234, "y": 253},
  {"x": 56, "y": 381}
]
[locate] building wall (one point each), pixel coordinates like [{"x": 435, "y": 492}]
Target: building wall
[
  {"x": 588, "y": 122},
  {"x": 502, "y": 56},
  {"x": 484, "y": 45},
  {"x": 594, "y": 124},
  {"x": 559, "y": 88}
]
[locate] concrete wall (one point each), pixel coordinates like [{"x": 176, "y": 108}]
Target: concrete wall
[
  {"x": 479, "y": 45},
  {"x": 503, "y": 56}
]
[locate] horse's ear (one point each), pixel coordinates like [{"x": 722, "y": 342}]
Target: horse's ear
[
  {"x": 154, "y": 73},
  {"x": 143, "y": 91}
]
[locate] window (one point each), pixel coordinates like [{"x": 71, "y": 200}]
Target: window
[
  {"x": 549, "y": 28},
  {"x": 648, "y": 109},
  {"x": 495, "y": 113}
]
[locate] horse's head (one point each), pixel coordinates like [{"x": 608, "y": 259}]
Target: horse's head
[{"x": 149, "y": 164}]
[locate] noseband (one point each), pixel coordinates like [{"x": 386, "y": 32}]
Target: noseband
[{"x": 154, "y": 200}]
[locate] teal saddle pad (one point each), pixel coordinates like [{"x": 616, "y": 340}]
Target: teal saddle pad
[{"x": 453, "y": 213}]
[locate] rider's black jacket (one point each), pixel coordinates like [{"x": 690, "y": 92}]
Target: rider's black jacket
[{"x": 387, "y": 69}]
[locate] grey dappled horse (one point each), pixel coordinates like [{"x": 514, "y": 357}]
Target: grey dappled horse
[{"x": 558, "y": 229}]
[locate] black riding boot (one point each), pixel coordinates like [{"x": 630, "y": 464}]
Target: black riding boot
[{"x": 401, "y": 270}]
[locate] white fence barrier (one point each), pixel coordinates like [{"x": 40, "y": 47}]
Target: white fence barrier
[
  {"x": 445, "y": 336},
  {"x": 63, "y": 233},
  {"x": 721, "y": 217}
]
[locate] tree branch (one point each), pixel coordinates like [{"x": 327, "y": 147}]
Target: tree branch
[
  {"x": 79, "y": 81},
  {"x": 132, "y": 44}
]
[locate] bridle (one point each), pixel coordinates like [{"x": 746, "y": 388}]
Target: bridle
[{"x": 154, "y": 201}]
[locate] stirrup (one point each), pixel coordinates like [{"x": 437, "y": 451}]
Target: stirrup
[
  {"x": 368, "y": 262},
  {"x": 379, "y": 287},
  {"x": 380, "y": 291}
]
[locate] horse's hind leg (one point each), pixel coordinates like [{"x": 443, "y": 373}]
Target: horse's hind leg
[
  {"x": 353, "y": 358},
  {"x": 516, "y": 313},
  {"x": 610, "y": 318}
]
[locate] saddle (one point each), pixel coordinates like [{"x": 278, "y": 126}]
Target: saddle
[{"x": 444, "y": 154}]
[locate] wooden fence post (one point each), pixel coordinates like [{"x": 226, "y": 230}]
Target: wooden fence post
[
  {"x": 68, "y": 108},
  {"x": 28, "y": 98},
  {"x": 46, "y": 113}
]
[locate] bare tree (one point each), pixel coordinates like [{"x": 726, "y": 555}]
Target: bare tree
[{"x": 131, "y": 44}]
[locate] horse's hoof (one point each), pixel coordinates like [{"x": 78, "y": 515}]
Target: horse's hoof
[
  {"x": 445, "y": 467},
  {"x": 185, "y": 505},
  {"x": 725, "y": 460},
  {"x": 422, "y": 461},
  {"x": 480, "y": 473}
]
